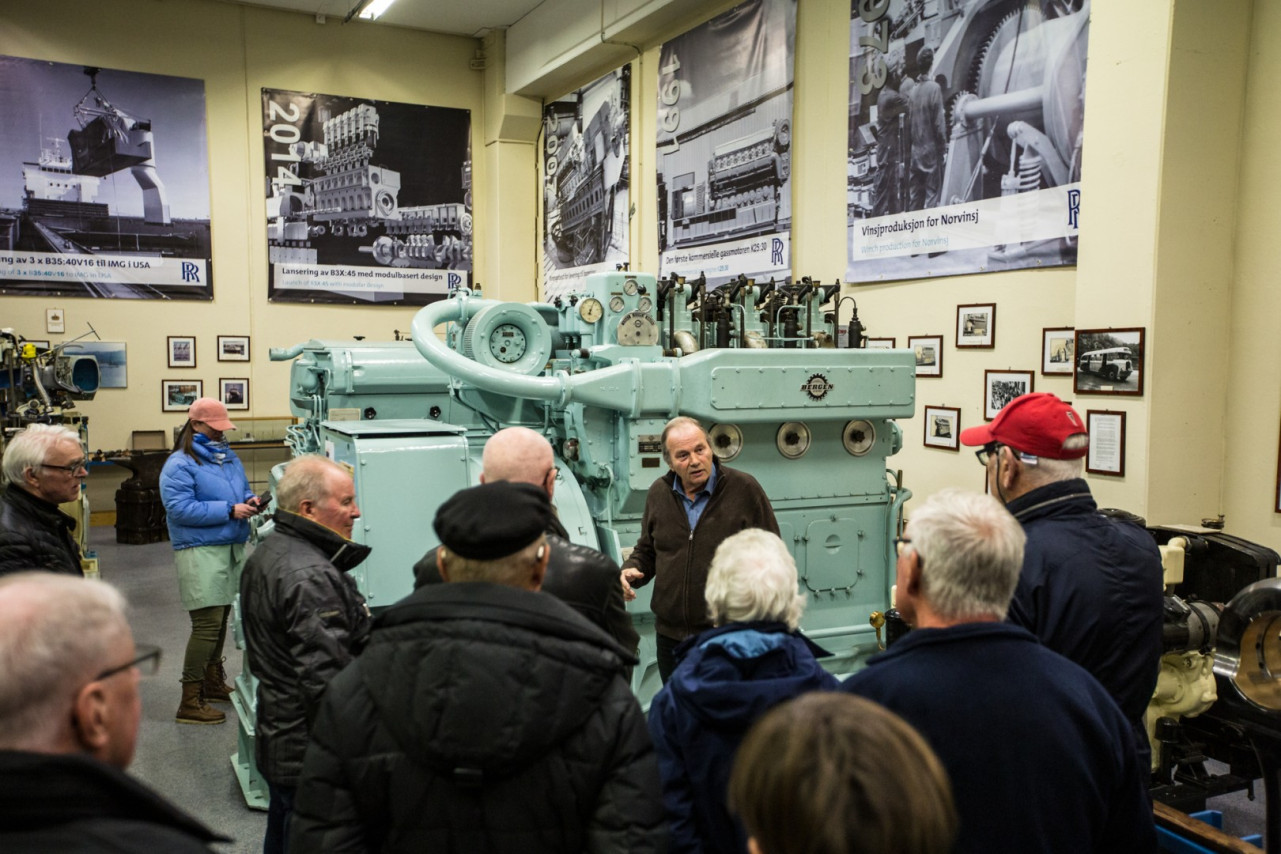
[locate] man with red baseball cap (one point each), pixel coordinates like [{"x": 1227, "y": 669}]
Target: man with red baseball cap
[{"x": 1091, "y": 585}]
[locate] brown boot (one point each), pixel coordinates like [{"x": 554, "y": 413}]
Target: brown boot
[
  {"x": 216, "y": 688},
  {"x": 194, "y": 709}
]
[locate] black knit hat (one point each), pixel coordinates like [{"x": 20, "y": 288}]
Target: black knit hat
[{"x": 493, "y": 520}]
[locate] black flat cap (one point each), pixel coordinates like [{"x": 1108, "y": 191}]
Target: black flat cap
[{"x": 493, "y": 520}]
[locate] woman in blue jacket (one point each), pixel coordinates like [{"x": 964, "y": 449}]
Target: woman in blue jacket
[
  {"x": 726, "y": 678},
  {"x": 207, "y": 500}
]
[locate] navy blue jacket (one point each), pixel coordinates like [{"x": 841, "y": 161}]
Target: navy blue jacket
[
  {"x": 1091, "y": 589},
  {"x": 727, "y": 677},
  {"x": 1041, "y": 758}
]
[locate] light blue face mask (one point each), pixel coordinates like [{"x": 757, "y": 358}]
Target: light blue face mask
[{"x": 216, "y": 446}]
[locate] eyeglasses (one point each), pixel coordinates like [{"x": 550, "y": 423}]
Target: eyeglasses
[
  {"x": 147, "y": 662},
  {"x": 985, "y": 453},
  {"x": 900, "y": 542},
  {"x": 71, "y": 469},
  {"x": 554, "y": 471}
]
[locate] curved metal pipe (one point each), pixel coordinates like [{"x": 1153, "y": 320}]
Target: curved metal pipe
[{"x": 284, "y": 354}]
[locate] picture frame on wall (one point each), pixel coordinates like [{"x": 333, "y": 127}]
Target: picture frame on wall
[
  {"x": 1109, "y": 361},
  {"x": 943, "y": 427},
  {"x": 929, "y": 354},
  {"x": 880, "y": 343},
  {"x": 976, "y": 325},
  {"x": 234, "y": 392},
  {"x": 1057, "y": 348},
  {"x": 178, "y": 395},
  {"x": 182, "y": 351},
  {"x": 1107, "y": 442},
  {"x": 233, "y": 348},
  {"x": 55, "y": 320},
  {"x": 1000, "y": 387}
]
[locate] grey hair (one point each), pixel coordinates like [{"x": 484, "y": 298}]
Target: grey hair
[
  {"x": 971, "y": 552},
  {"x": 305, "y": 479},
  {"x": 54, "y": 629},
  {"x": 1048, "y": 470},
  {"x": 28, "y": 449},
  {"x": 512, "y": 570},
  {"x": 753, "y": 577},
  {"x": 678, "y": 422}
]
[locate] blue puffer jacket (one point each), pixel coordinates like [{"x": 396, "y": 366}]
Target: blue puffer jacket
[
  {"x": 727, "y": 678},
  {"x": 198, "y": 497}
]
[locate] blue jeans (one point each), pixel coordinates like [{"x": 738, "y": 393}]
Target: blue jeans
[{"x": 282, "y": 806}]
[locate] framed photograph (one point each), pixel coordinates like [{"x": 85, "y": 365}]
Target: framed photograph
[
  {"x": 112, "y": 360},
  {"x": 929, "y": 354},
  {"x": 234, "y": 393},
  {"x": 976, "y": 325},
  {"x": 943, "y": 427},
  {"x": 39, "y": 345},
  {"x": 233, "y": 348},
  {"x": 1109, "y": 361},
  {"x": 1107, "y": 442},
  {"x": 880, "y": 343},
  {"x": 55, "y": 320},
  {"x": 178, "y": 395},
  {"x": 1057, "y": 347},
  {"x": 182, "y": 351},
  {"x": 1000, "y": 387}
]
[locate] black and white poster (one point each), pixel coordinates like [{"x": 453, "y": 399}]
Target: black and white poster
[
  {"x": 585, "y": 182},
  {"x": 725, "y": 145},
  {"x": 104, "y": 183},
  {"x": 964, "y": 135},
  {"x": 368, "y": 202}
]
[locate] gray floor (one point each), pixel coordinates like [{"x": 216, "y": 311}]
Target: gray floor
[{"x": 188, "y": 764}]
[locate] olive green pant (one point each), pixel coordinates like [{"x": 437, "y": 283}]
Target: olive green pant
[{"x": 208, "y": 633}]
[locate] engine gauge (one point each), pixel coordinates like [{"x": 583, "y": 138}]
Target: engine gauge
[
  {"x": 637, "y": 329},
  {"x": 629, "y": 287},
  {"x": 616, "y": 303},
  {"x": 507, "y": 343},
  {"x": 590, "y": 310},
  {"x": 645, "y": 304}
]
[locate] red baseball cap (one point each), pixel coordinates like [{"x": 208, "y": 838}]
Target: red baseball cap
[
  {"x": 1038, "y": 424},
  {"x": 211, "y": 412}
]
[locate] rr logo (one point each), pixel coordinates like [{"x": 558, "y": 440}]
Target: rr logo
[
  {"x": 1074, "y": 207},
  {"x": 454, "y": 281},
  {"x": 776, "y": 253},
  {"x": 190, "y": 272}
]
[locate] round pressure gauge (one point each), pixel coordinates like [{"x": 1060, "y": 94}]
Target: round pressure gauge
[
  {"x": 629, "y": 287},
  {"x": 793, "y": 439},
  {"x": 645, "y": 304},
  {"x": 637, "y": 329},
  {"x": 616, "y": 303},
  {"x": 507, "y": 343},
  {"x": 590, "y": 310}
]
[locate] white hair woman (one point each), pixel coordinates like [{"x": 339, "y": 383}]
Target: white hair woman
[{"x": 726, "y": 678}]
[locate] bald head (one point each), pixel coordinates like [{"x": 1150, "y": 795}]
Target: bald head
[{"x": 520, "y": 455}]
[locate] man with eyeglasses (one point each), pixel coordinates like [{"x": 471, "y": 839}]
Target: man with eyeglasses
[
  {"x": 43, "y": 467},
  {"x": 581, "y": 577},
  {"x": 1091, "y": 586},
  {"x": 69, "y": 713}
]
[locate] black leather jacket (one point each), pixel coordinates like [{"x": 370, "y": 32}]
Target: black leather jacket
[
  {"x": 581, "y": 577},
  {"x": 35, "y": 534},
  {"x": 304, "y": 620}
]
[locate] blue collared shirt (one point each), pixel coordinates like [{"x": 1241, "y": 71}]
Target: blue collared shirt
[{"x": 695, "y": 506}]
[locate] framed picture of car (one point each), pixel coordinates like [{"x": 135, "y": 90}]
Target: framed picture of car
[
  {"x": 929, "y": 354},
  {"x": 976, "y": 325},
  {"x": 943, "y": 427},
  {"x": 1109, "y": 361}
]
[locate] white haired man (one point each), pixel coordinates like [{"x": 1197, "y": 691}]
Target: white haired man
[
  {"x": 728, "y": 676},
  {"x": 1040, "y": 755},
  {"x": 69, "y": 712},
  {"x": 688, "y": 513},
  {"x": 1091, "y": 585},
  {"x": 43, "y": 467}
]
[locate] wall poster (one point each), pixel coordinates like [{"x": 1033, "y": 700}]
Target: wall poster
[
  {"x": 586, "y": 176},
  {"x": 104, "y": 183},
  {"x": 724, "y": 145},
  {"x": 964, "y": 135},
  {"x": 368, "y": 202}
]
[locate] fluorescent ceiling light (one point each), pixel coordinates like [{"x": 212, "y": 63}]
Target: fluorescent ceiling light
[{"x": 374, "y": 9}]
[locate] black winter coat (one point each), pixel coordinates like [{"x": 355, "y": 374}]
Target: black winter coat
[
  {"x": 304, "y": 620},
  {"x": 35, "y": 534},
  {"x": 480, "y": 718}
]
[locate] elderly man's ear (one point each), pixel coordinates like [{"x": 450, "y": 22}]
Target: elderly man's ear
[
  {"x": 91, "y": 720},
  {"x": 539, "y": 569}
]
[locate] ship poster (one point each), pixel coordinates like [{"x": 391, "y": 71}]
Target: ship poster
[
  {"x": 368, "y": 202},
  {"x": 964, "y": 136},
  {"x": 586, "y": 176},
  {"x": 104, "y": 183},
  {"x": 724, "y": 145}
]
